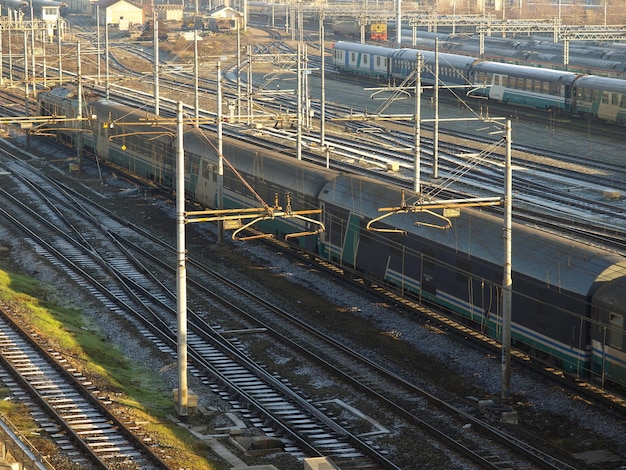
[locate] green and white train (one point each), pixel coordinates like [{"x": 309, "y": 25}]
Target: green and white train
[
  {"x": 567, "y": 92},
  {"x": 569, "y": 298}
]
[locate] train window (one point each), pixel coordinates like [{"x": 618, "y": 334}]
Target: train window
[
  {"x": 353, "y": 56},
  {"x": 555, "y": 89},
  {"x": 605, "y": 97},
  {"x": 623, "y": 102},
  {"x": 545, "y": 87},
  {"x": 208, "y": 171},
  {"x": 614, "y": 99},
  {"x": 365, "y": 56},
  {"x": 595, "y": 95},
  {"x": 511, "y": 83},
  {"x": 528, "y": 84},
  {"x": 616, "y": 330}
]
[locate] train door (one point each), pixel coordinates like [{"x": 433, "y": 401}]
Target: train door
[
  {"x": 498, "y": 83},
  {"x": 351, "y": 240},
  {"x": 570, "y": 98},
  {"x": 609, "y": 105}
]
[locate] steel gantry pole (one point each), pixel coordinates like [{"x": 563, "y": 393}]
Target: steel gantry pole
[
  {"x": 322, "y": 83},
  {"x": 507, "y": 280},
  {"x": 181, "y": 271},
  {"x": 1, "y": 54},
  {"x": 418, "y": 117},
  {"x": 59, "y": 51},
  {"x": 399, "y": 24},
  {"x": 238, "y": 75},
  {"x": 79, "y": 114},
  {"x": 299, "y": 103},
  {"x": 106, "y": 58},
  {"x": 196, "y": 78},
  {"x": 220, "y": 155},
  {"x": 436, "y": 126},
  {"x": 26, "y": 92},
  {"x": 155, "y": 27},
  {"x": 32, "y": 47},
  {"x": 98, "y": 53}
]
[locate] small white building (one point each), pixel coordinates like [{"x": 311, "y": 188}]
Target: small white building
[
  {"x": 120, "y": 13},
  {"x": 223, "y": 18},
  {"x": 170, "y": 12}
]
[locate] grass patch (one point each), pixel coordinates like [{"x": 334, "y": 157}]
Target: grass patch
[{"x": 140, "y": 389}]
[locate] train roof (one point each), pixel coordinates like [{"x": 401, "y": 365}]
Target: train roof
[
  {"x": 368, "y": 48},
  {"x": 286, "y": 171},
  {"x": 602, "y": 83},
  {"x": 605, "y": 65},
  {"x": 549, "y": 258},
  {"x": 612, "y": 294},
  {"x": 304, "y": 178},
  {"x": 60, "y": 92},
  {"x": 523, "y": 71},
  {"x": 454, "y": 60}
]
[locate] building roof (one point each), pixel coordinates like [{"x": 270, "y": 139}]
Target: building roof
[
  {"x": 222, "y": 10},
  {"x": 108, "y": 3}
]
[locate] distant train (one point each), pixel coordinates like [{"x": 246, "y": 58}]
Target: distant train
[
  {"x": 585, "y": 57},
  {"x": 567, "y": 92},
  {"x": 569, "y": 298},
  {"x": 352, "y": 28},
  {"x": 278, "y": 13}
]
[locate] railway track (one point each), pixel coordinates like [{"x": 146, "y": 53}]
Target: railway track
[
  {"x": 301, "y": 424},
  {"x": 544, "y": 197},
  {"x": 202, "y": 346},
  {"x": 67, "y": 407},
  {"x": 125, "y": 287}
]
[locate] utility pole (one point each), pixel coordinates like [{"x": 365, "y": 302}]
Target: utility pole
[
  {"x": 418, "y": 117},
  {"x": 79, "y": 134},
  {"x": 322, "y": 85},
  {"x": 106, "y": 59},
  {"x": 156, "y": 59},
  {"x": 436, "y": 126},
  {"x": 507, "y": 279},
  {"x": 196, "y": 77},
  {"x": 59, "y": 50},
  {"x": 98, "y": 41},
  {"x": 299, "y": 103},
  {"x": 32, "y": 47},
  {"x": 181, "y": 271},
  {"x": 399, "y": 24},
  {"x": 220, "y": 155}
]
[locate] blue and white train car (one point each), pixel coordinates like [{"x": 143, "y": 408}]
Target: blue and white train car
[
  {"x": 453, "y": 69},
  {"x": 604, "y": 98},
  {"x": 362, "y": 59},
  {"x": 569, "y": 298},
  {"x": 527, "y": 86}
]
